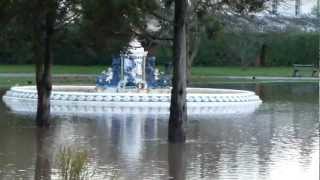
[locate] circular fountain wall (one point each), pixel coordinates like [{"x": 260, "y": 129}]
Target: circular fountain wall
[{"x": 90, "y": 100}]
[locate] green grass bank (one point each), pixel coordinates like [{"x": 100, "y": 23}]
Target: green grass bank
[
  {"x": 201, "y": 75},
  {"x": 196, "y": 71}
]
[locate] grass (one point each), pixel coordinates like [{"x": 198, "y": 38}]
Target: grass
[
  {"x": 203, "y": 75},
  {"x": 73, "y": 164},
  {"x": 196, "y": 71},
  {"x": 57, "y": 69},
  {"x": 7, "y": 82},
  {"x": 238, "y": 71}
]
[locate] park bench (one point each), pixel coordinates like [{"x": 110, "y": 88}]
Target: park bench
[{"x": 298, "y": 68}]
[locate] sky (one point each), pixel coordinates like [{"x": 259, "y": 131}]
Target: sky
[{"x": 289, "y": 7}]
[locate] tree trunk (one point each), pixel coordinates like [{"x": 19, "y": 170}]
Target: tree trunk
[
  {"x": 178, "y": 108},
  {"x": 318, "y": 8},
  {"x": 275, "y": 4},
  {"x": 192, "y": 53},
  {"x": 262, "y": 56},
  {"x": 298, "y": 7},
  {"x": 42, "y": 47}
]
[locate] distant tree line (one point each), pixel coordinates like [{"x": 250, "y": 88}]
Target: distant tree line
[{"x": 225, "y": 49}]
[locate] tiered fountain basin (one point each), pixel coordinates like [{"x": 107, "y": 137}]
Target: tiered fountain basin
[{"x": 90, "y": 100}]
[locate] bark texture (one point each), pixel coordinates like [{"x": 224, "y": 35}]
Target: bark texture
[
  {"x": 178, "y": 108},
  {"x": 43, "y": 28}
]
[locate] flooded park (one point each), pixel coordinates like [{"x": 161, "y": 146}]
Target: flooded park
[
  {"x": 279, "y": 140},
  {"x": 159, "y": 89}
]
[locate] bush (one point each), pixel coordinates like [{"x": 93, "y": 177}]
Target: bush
[
  {"x": 287, "y": 49},
  {"x": 282, "y": 49},
  {"x": 225, "y": 49}
]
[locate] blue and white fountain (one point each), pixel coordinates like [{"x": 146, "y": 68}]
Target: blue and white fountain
[
  {"x": 133, "y": 84},
  {"x": 133, "y": 69}
]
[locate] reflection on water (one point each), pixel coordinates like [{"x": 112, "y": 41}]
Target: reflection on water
[
  {"x": 43, "y": 165},
  {"x": 279, "y": 141}
]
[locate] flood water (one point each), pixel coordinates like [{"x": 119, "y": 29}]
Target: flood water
[{"x": 279, "y": 141}]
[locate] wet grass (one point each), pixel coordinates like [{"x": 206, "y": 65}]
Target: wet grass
[
  {"x": 57, "y": 69},
  {"x": 196, "y": 71},
  {"x": 7, "y": 82},
  {"x": 201, "y": 75},
  {"x": 238, "y": 71},
  {"x": 73, "y": 164}
]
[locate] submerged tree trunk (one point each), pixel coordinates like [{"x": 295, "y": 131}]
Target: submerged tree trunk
[
  {"x": 42, "y": 166},
  {"x": 177, "y": 161},
  {"x": 178, "y": 107},
  {"x": 42, "y": 47}
]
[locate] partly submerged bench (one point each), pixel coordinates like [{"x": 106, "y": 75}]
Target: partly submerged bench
[{"x": 298, "y": 68}]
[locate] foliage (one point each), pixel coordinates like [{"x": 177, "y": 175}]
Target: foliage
[
  {"x": 73, "y": 164},
  {"x": 108, "y": 25},
  {"x": 287, "y": 49},
  {"x": 283, "y": 49},
  {"x": 91, "y": 37},
  {"x": 225, "y": 49}
]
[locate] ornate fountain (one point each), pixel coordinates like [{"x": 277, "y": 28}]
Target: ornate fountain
[
  {"x": 133, "y": 69},
  {"x": 133, "y": 84}
]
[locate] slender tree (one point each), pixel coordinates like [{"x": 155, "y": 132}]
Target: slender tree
[
  {"x": 297, "y": 7},
  {"x": 318, "y": 8},
  {"x": 178, "y": 107},
  {"x": 275, "y": 4},
  {"x": 44, "y": 18}
]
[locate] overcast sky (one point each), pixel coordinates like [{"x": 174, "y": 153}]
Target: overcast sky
[{"x": 288, "y": 8}]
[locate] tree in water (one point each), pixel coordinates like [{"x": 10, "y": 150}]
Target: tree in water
[
  {"x": 42, "y": 165},
  {"x": 44, "y": 17},
  {"x": 178, "y": 107},
  {"x": 37, "y": 21}
]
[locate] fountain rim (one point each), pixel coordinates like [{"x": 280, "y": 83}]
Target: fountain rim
[
  {"x": 202, "y": 95},
  {"x": 23, "y": 99},
  {"x": 58, "y": 89}
]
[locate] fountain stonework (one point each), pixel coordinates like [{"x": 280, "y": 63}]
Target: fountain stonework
[{"x": 132, "y": 85}]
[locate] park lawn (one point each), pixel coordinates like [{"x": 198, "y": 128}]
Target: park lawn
[
  {"x": 239, "y": 71},
  {"x": 57, "y": 69},
  {"x": 196, "y": 71},
  {"x": 7, "y": 82}
]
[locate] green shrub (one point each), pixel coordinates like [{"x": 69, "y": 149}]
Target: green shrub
[{"x": 224, "y": 49}]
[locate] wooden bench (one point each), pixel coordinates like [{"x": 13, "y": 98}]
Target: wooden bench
[{"x": 304, "y": 68}]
